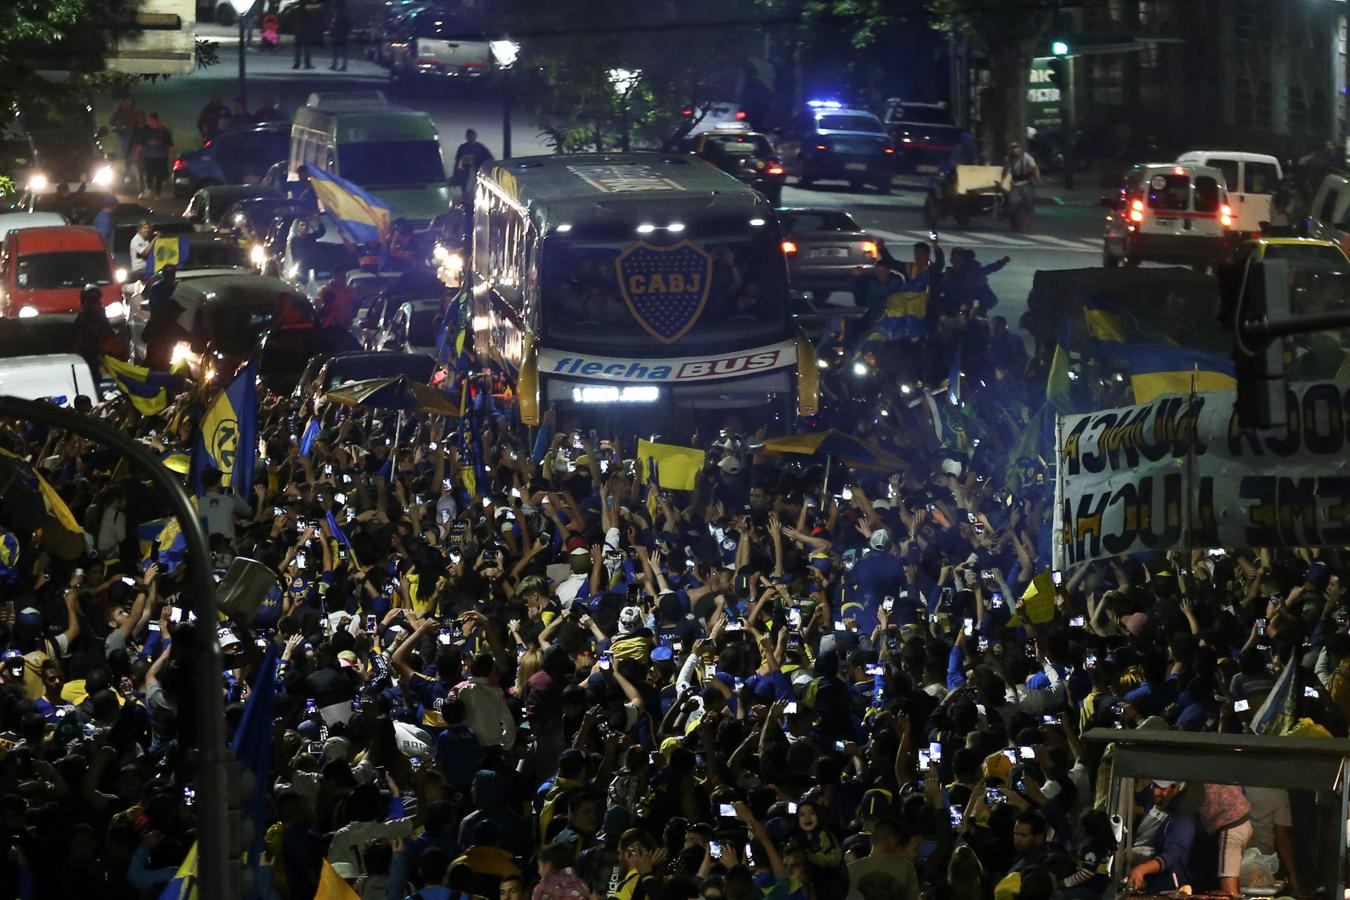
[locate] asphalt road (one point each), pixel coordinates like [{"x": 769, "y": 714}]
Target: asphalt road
[{"x": 1066, "y": 233}]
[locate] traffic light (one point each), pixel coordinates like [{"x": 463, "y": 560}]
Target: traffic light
[
  {"x": 1059, "y": 48},
  {"x": 1059, "y": 72},
  {"x": 1254, "y": 294}
]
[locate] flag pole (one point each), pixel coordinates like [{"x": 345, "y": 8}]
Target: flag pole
[{"x": 825, "y": 484}]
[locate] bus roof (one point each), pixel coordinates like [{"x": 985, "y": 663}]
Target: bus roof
[{"x": 559, "y": 186}]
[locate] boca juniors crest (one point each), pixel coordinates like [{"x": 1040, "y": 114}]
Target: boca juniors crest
[{"x": 665, "y": 288}]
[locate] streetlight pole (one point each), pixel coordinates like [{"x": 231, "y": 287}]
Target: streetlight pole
[
  {"x": 242, "y": 8},
  {"x": 217, "y": 878},
  {"x": 504, "y": 54}
]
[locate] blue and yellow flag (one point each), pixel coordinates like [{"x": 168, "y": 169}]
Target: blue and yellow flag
[
  {"x": 171, "y": 250},
  {"x": 1103, "y": 325},
  {"x": 228, "y": 436},
  {"x": 1157, "y": 369},
  {"x": 51, "y": 500},
  {"x": 361, "y": 216},
  {"x": 183, "y": 885},
  {"x": 150, "y": 392},
  {"x": 1057, "y": 384},
  {"x": 906, "y": 316},
  {"x": 677, "y": 467}
]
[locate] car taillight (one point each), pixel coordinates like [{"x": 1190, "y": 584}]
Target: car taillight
[
  {"x": 1137, "y": 211},
  {"x": 888, "y": 150},
  {"x": 822, "y": 146},
  {"x": 686, "y": 112},
  {"x": 869, "y": 248},
  {"x": 1226, "y": 216},
  {"x": 740, "y": 115},
  {"x": 775, "y": 168},
  {"x": 179, "y": 165},
  {"x": 789, "y": 247}
]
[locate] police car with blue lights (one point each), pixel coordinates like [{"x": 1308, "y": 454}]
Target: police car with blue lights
[{"x": 828, "y": 141}]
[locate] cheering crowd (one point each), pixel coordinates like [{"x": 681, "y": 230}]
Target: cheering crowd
[{"x": 509, "y": 666}]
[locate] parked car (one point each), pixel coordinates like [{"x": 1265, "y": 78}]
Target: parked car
[
  {"x": 287, "y": 352},
  {"x": 235, "y": 156},
  {"x": 58, "y": 377},
  {"x": 829, "y": 142},
  {"x": 438, "y": 43},
  {"x": 248, "y": 221},
  {"x": 713, "y": 116},
  {"x": 44, "y": 270},
  {"x": 12, "y": 221},
  {"x": 345, "y": 368},
  {"x": 823, "y": 247},
  {"x": 923, "y": 134},
  {"x": 208, "y": 206},
  {"x": 225, "y": 314},
  {"x": 414, "y": 327}
]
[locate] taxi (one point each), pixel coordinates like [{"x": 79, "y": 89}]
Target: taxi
[
  {"x": 1298, "y": 250},
  {"x": 745, "y": 155}
]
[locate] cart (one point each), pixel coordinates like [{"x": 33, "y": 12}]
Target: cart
[{"x": 964, "y": 192}]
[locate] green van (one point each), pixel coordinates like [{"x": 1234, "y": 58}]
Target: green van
[{"x": 392, "y": 151}]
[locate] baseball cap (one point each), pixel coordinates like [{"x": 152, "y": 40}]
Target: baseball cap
[
  {"x": 880, "y": 540},
  {"x": 1158, "y": 782},
  {"x": 662, "y": 653},
  {"x": 577, "y": 543},
  {"x": 731, "y": 465},
  {"x": 348, "y": 660},
  {"x": 579, "y": 551}
]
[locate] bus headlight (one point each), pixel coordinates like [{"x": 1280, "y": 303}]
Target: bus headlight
[
  {"x": 115, "y": 310},
  {"x": 860, "y": 369},
  {"x": 257, "y": 254},
  {"x": 27, "y": 312},
  {"x": 37, "y": 182},
  {"x": 104, "y": 176}
]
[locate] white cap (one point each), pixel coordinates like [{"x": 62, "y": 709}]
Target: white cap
[{"x": 731, "y": 465}]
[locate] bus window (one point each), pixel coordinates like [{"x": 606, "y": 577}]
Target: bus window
[{"x": 585, "y": 304}]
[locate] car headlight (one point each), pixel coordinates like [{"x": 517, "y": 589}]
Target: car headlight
[
  {"x": 104, "y": 176},
  {"x": 120, "y": 276},
  {"x": 37, "y": 182},
  {"x": 182, "y": 352},
  {"x": 293, "y": 271},
  {"x": 257, "y": 254},
  {"x": 115, "y": 310},
  {"x": 860, "y": 369},
  {"x": 27, "y": 312}
]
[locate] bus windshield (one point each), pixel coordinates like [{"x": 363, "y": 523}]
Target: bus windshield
[
  {"x": 374, "y": 164},
  {"x": 626, "y": 295}
]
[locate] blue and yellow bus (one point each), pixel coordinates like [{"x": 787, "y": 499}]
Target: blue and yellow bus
[{"x": 634, "y": 279}]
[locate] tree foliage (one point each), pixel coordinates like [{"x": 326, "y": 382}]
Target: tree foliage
[
  {"x": 681, "y": 58},
  {"x": 44, "y": 36}
]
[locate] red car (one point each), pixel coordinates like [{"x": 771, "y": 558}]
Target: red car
[{"x": 43, "y": 270}]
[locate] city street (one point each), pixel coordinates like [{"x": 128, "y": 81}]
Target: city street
[{"x": 1067, "y": 232}]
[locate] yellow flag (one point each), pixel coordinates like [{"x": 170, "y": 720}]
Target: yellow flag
[
  {"x": 56, "y": 506},
  {"x": 332, "y": 886},
  {"x": 166, "y": 252},
  {"x": 1038, "y": 600},
  {"x": 676, "y": 467}
]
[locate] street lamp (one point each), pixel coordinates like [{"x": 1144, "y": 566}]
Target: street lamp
[
  {"x": 241, "y": 11},
  {"x": 505, "y": 52}
]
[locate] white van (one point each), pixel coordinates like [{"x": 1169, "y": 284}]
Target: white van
[
  {"x": 1168, "y": 213},
  {"x": 59, "y": 377},
  {"x": 392, "y": 151},
  {"x": 1251, "y": 179},
  {"x": 1329, "y": 215}
]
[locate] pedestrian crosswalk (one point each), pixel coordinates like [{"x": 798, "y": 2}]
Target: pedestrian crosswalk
[{"x": 992, "y": 240}]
